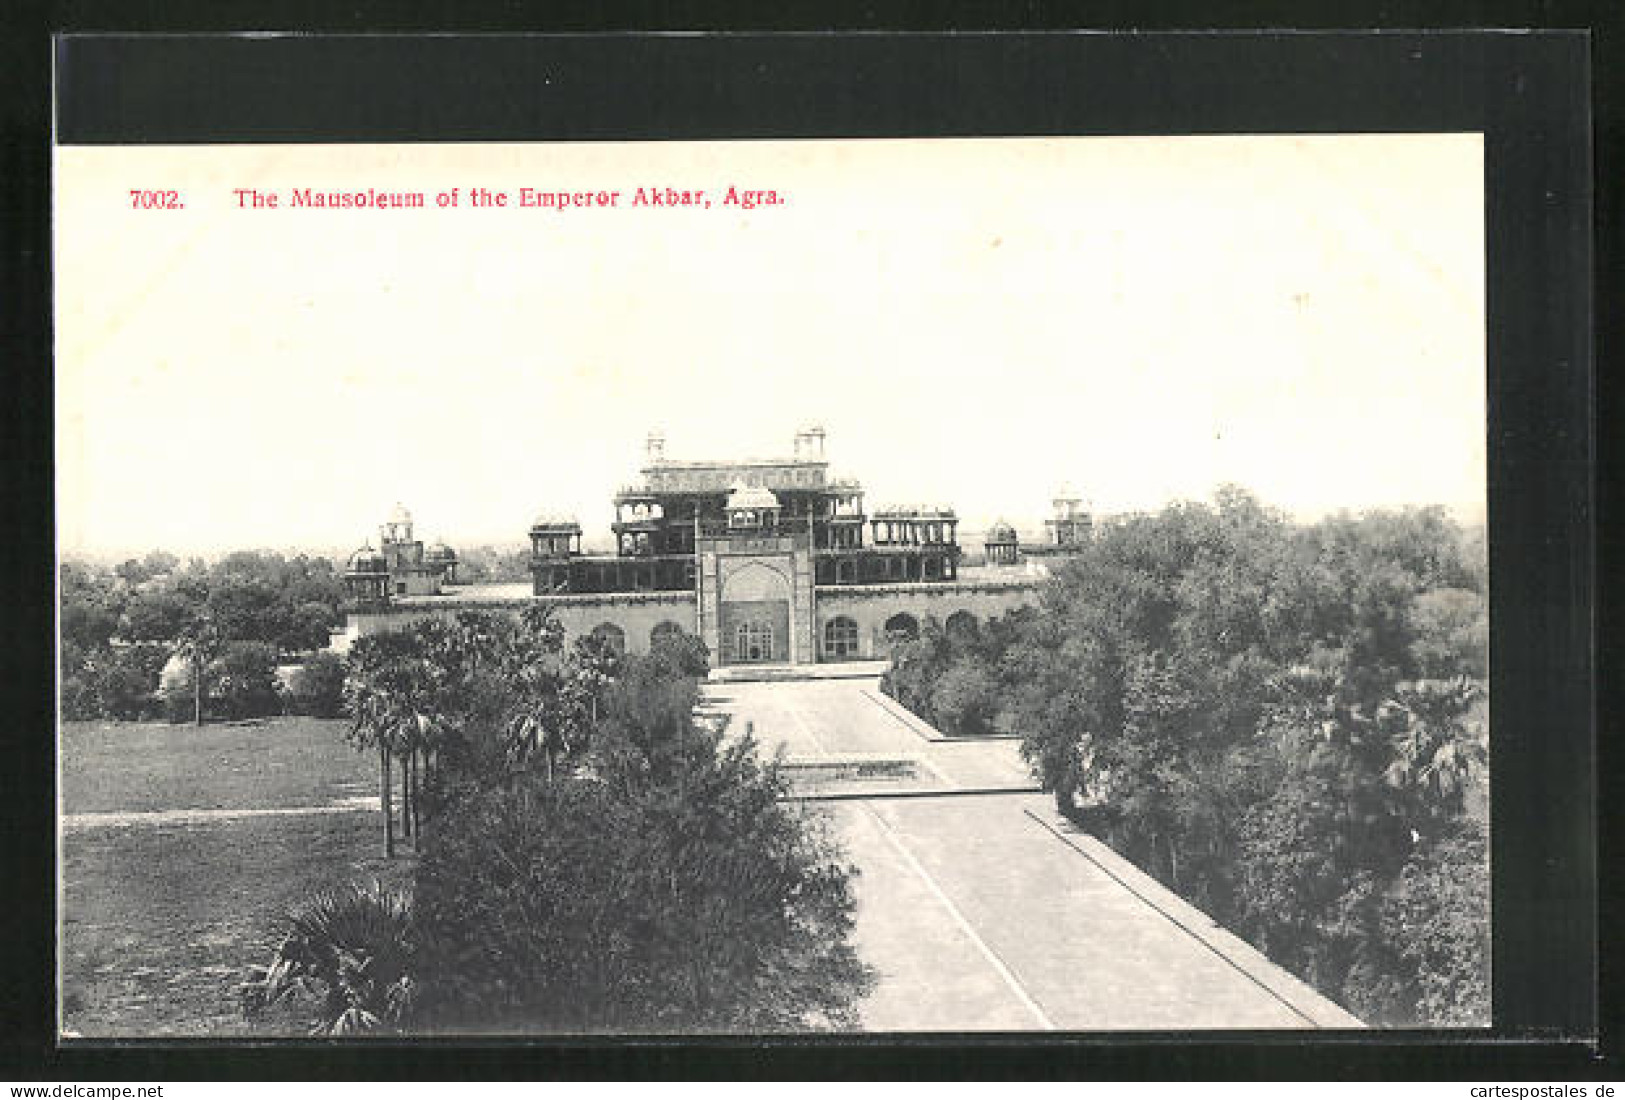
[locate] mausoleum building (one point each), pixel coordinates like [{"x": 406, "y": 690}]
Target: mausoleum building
[{"x": 767, "y": 560}]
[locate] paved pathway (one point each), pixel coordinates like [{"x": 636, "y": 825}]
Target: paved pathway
[
  {"x": 126, "y": 819},
  {"x": 990, "y": 912},
  {"x": 814, "y": 719}
]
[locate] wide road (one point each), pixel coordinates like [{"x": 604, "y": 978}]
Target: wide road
[{"x": 987, "y": 911}]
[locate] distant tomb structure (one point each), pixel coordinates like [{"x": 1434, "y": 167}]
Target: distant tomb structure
[{"x": 768, "y": 560}]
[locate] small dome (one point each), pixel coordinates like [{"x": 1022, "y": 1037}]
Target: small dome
[
  {"x": 367, "y": 560},
  {"x": 1001, "y": 532},
  {"x": 400, "y": 515},
  {"x": 441, "y": 552},
  {"x": 555, "y": 519},
  {"x": 751, "y": 496}
]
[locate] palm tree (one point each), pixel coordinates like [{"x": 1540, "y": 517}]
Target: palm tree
[
  {"x": 542, "y": 717},
  {"x": 384, "y": 694},
  {"x": 199, "y": 645},
  {"x": 349, "y": 949},
  {"x": 1437, "y": 752}
]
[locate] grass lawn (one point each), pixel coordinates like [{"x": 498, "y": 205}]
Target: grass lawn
[
  {"x": 134, "y": 766},
  {"x": 160, "y": 920}
]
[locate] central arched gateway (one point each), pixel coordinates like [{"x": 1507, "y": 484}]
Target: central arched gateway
[{"x": 754, "y": 614}]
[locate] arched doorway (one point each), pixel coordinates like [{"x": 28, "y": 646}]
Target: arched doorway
[
  {"x": 902, "y": 627},
  {"x": 753, "y": 642},
  {"x": 754, "y": 614},
  {"x": 611, "y": 636},
  {"x": 961, "y": 625}
]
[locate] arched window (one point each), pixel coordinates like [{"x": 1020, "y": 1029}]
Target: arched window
[
  {"x": 664, "y": 631},
  {"x": 902, "y": 626},
  {"x": 611, "y": 635},
  {"x": 840, "y": 637},
  {"x": 961, "y": 624}
]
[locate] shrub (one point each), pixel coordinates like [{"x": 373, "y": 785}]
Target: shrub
[
  {"x": 317, "y": 686},
  {"x": 1437, "y": 916},
  {"x": 965, "y": 699},
  {"x": 683, "y": 654},
  {"x": 125, "y": 692},
  {"x": 348, "y": 950}
]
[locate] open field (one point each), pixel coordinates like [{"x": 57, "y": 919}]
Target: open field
[
  {"x": 120, "y": 767},
  {"x": 161, "y": 921},
  {"x": 161, "y": 918}
]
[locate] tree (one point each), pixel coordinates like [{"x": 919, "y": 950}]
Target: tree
[
  {"x": 649, "y": 877},
  {"x": 592, "y": 668},
  {"x": 160, "y": 612},
  {"x": 317, "y": 686},
  {"x": 387, "y": 694},
  {"x": 683, "y": 653},
  {"x": 91, "y": 606},
  {"x": 306, "y": 626},
  {"x": 1453, "y": 633},
  {"x": 245, "y": 679},
  {"x": 199, "y": 644},
  {"x": 126, "y": 680},
  {"x": 916, "y": 664},
  {"x": 544, "y": 717},
  {"x": 665, "y": 888},
  {"x": 111, "y": 618},
  {"x": 1279, "y": 721},
  {"x": 964, "y": 699},
  {"x": 472, "y": 696},
  {"x": 158, "y": 563},
  {"x": 245, "y": 606}
]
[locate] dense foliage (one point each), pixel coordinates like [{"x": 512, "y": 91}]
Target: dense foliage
[
  {"x": 1284, "y": 723},
  {"x": 317, "y": 686},
  {"x": 593, "y": 857},
  {"x": 662, "y": 886},
  {"x": 230, "y": 623},
  {"x": 348, "y": 949}
]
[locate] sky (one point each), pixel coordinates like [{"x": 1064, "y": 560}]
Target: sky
[{"x": 973, "y": 322}]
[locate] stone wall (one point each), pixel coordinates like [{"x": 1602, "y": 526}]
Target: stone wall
[
  {"x": 635, "y": 613},
  {"x": 638, "y": 613},
  {"x": 871, "y": 605}
]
